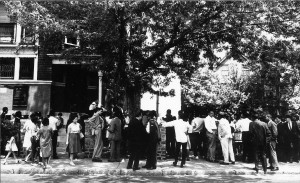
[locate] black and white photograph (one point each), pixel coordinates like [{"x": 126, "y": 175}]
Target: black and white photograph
[{"x": 150, "y": 91}]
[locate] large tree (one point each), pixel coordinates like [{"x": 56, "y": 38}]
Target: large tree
[{"x": 131, "y": 41}]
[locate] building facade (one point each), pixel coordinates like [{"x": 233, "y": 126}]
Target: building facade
[{"x": 25, "y": 75}]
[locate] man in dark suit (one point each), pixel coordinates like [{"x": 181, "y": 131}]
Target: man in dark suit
[
  {"x": 137, "y": 136},
  {"x": 280, "y": 139},
  {"x": 259, "y": 132},
  {"x": 292, "y": 138},
  {"x": 170, "y": 135}
]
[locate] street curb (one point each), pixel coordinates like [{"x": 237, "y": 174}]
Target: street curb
[{"x": 142, "y": 172}]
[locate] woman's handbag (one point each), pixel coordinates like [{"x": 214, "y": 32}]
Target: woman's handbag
[{"x": 81, "y": 135}]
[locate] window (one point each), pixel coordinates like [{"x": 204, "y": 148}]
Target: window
[
  {"x": 7, "y": 33},
  {"x": 7, "y": 68},
  {"x": 20, "y": 98},
  {"x": 71, "y": 40},
  {"x": 26, "y": 68},
  {"x": 28, "y": 37}
]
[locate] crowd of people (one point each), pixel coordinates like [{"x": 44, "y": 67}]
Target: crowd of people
[{"x": 219, "y": 136}]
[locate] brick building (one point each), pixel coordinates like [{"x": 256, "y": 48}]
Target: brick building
[{"x": 25, "y": 74}]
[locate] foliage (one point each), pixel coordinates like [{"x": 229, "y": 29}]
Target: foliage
[
  {"x": 207, "y": 87},
  {"x": 274, "y": 63}
]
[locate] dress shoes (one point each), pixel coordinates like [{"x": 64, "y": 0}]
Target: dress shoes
[
  {"x": 224, "y": 163},
  {"x": 233, "y": 162},
  {"x": 96, "y": 160},
  {"x": 145, "y": 166},
  {"x": 270, "y": 167},
  {"x": 174, "y": 164},
  {"x": 275, "y": 169},
  {"x": 256, "y": 169},
  {"x": 128, "y": 167},
  {"x": 151, "y": 168},
  {"x": 138, "y": 168}
]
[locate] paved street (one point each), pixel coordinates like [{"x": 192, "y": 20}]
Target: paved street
[
  {"x": 11, "y": 178},
  {"x": 164, "y": 168}
]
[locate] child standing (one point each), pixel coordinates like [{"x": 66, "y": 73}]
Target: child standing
[{"x": 11, "y": 148}]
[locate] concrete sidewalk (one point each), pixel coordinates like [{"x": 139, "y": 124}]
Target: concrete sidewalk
[{"x": 164, "y": 167}]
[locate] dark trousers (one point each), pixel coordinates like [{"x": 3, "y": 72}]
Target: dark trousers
[
  {"x": 170, "y": 144},
  {"x": 212, "y": 145},
  {"x": 204, "y": 143},
  {"x": 34, "y": 147},
  {"x": 196, "y": 143},
  {"x": 124, "y": 143},
  {"x": 281, "y": 151},
  {"x": 152, "y": 155},
  {"x": 115, "y": 146},
  {"x": 293, "y": 150},
  {"x": 260, "y": 155},
  {"x": 135, "y": 154},
  {"x": 54, "y": 142},
  {"x": 247, "y": 150},
  {"x": 82, "y": 143},
  {"x": 184, "y": 152},
  {"x": 272, "y": 155}
]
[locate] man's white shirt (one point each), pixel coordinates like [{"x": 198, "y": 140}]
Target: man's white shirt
[
  {"x": 210, "y": 124},
  {"x": 197, "y": 124},
  {"x": 181, "y": 129},
  {"x": 243, "y": 124},
  {"x": 53, "y": 122}
]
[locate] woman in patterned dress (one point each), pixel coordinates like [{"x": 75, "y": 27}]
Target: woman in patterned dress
[{"x": 45, "y": 134}]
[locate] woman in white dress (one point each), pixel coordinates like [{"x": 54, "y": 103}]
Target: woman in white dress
[{"x": 30, "y": 129}]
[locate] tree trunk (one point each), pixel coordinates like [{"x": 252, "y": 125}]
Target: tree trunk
[{"x": 132, "y": 100}]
